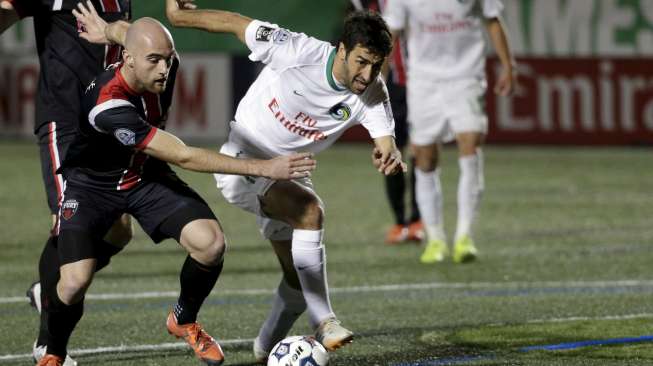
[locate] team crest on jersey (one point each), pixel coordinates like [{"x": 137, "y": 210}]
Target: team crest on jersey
[
  {"x": 280, "y": 36},
  {"x": 340, "y": 112},
  {"x": 69, "y": 208},
  {"x": 264, "y": 33},
  {"x": 125, "y": 136}
]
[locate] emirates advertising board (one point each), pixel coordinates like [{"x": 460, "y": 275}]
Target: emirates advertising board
[{"x": 585, "y": 72}]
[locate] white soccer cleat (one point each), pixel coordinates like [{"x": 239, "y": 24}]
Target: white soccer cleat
[
  {"x": 34, "y": 296},
  {"x": 332, "y": 335},
  {"x": 38, "y": 352},
  {"x": 260, "y": 354}
]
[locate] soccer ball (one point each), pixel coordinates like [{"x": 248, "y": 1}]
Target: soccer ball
[{"x": 298, "y": 351}]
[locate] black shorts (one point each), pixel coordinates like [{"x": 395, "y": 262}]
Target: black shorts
[
  {"x": 162, "y": 208},
  {"x": 54, "y": 140},
  {"x": 400, "y": 112}
]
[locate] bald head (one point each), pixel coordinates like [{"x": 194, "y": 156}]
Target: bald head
[
  {"x": 147, "y": 33},
  {"x": 148, "y": 55}
]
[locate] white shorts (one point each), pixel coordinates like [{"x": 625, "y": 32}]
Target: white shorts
[
  {"x": 246, "y": 191},
  {"x": 437, "y": 111}
]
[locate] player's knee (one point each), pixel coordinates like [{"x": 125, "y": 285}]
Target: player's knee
[
  {"x": 426, "y": 163},
  {"x": 211, "y": 246},
  {"x": 73, "y": 286},
  {"x": 312, "y": 215}
]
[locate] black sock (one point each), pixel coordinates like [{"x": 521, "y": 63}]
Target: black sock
[
  {"x": 414, "y": 210},
  {"x": 48, "y": 276},
  {"x": 197, "y": 281},
  {"x": 395, "y": 187},
  {"x": 104, "y": 252},
  {"x": 61, "y": 321}
]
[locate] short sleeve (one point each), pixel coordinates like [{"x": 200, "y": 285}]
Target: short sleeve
[
  {"x": 119, "y": 118},
  {"x": 395, "y": 14},
  {"x": 492, "y": 8},
  {"x": 280, "y": 48},
  {"x": 377, "y": 115}
]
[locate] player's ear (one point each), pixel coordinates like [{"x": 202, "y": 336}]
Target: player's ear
[
  {"x": 342, "y": 51},
  {"x": 127, "y": 58}
]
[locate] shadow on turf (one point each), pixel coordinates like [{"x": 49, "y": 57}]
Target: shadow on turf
[{"x": 418, "y": 353}]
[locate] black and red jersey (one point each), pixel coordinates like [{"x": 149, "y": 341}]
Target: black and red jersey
[
  {"x": 68, "y": 63},
  {"x": 115, "y": 125}
]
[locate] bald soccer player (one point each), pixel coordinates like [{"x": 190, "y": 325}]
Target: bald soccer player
[{"x": 117, "y": 164}]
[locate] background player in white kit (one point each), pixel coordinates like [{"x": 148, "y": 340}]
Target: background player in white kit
[
  {"x": 308, "y": 94},
  {"x": 445, "y": 92}
]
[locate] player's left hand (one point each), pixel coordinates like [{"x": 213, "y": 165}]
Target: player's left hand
[
  {"x": 389, "y": 163},
  {"x": 93, "y": 26},
  {"x": 505, "y": 85}
]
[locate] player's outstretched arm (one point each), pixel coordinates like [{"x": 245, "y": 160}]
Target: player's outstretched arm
[
  {"x": 506, "y": 83},
  {"x": 181, "y": 14},
  {"x": 8, "y": 15},
  {"x": 167, "y": 147},
  {"x": 97, "y": 30},
  {"x": 386, "y": 157}
]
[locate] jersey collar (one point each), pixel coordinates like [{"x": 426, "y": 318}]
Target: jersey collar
[
  {"x": 329, "y": 72},
  {"x": 123, "y": 82}
]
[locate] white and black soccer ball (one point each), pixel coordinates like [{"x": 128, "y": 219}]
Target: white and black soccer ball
[{"x": 298, "y": 351}]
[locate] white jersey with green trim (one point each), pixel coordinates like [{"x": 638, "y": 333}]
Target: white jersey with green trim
[
  {"x": 296, "y": 104},
  {"x": 445, "y": 37}
]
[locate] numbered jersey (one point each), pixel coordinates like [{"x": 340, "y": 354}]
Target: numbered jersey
[
  {"x": 445, "y": 37},
  {"x": 68, "y": 63},
  {"x": 116, "y": 124},
  {"x": 296, "y": 104}
]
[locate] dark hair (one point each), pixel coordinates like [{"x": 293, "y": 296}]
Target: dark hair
[{"x": 369, "y": 30}]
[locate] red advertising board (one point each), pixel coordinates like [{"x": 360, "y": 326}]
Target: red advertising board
[
  {"x": 587, "y": 101},
  {"x": 570, "y": 101}
]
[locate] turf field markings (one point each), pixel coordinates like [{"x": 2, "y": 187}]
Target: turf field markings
[
  {"x": 130, "y": 349},
  {"x": 377, "y": 288},
  {"x": 447, "y": 361},
  {"x": 226, "y": 343},
  {"x": 589, "y": 343}
]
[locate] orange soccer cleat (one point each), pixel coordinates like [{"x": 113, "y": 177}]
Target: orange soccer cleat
[
  {"x": 416, "y": 231},
  {"x": 205, "y": 347},
  {"x": 50, "y": 360},
  {"x": 397, "y": 234}
]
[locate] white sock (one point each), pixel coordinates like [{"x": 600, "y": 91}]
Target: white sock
[
  {"x": 310, "y": 262},
  {"x": 288, "y": 304},
  {"x": 470, "y": 190},
  {"x": 428, "y": 193}
]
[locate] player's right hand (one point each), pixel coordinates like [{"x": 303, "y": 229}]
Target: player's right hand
[{"x": 293, "y": 166}]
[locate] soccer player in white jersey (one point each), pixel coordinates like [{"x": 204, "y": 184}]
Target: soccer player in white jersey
[
  {"x": 445, "y": 92},
  {"x": 308, "y": 94}
]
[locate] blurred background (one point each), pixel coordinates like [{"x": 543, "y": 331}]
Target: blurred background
[
  {"x": 585, "y": 71},
  {"x": 566, "y": 230}
]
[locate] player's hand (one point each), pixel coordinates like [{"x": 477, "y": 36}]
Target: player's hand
[
  {"x": 93, "y": 26},
  {"x": 389, "y": 163},
  {"x": 6, "y": 5},
  {"x": 505, "y": 85},
  {"x": 174, "y": 6},
  {"x": 289, "y": 167}
]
